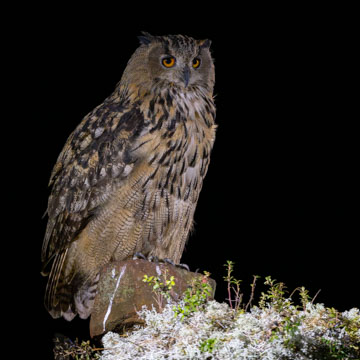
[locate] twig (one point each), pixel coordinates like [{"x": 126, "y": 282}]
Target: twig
[
  {"x": 315, "y": 296},
  {"x": 228, "y": 278},
  {"x": 297, "y": 289},
  {"x": 252, "y": 292}
]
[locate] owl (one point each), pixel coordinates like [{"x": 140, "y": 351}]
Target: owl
[{"x": 129, "y": 176}]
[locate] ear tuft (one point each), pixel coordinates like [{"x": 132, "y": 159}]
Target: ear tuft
[
  {"x": 145, "y": 38},
  {"x": 203, "y": 44}
]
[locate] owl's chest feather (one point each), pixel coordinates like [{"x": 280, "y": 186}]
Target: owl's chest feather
[{"x": 178, "y": 150}]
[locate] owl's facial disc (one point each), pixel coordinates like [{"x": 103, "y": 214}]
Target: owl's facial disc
[{"x": 186, "y": 67}]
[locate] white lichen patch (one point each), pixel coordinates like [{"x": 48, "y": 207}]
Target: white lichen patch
[{"x": 218, "y": 332}]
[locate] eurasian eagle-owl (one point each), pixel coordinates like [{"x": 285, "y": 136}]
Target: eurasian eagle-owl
[{"x": 129, "y": 177}]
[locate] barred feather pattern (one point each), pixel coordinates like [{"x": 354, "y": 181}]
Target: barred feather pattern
[{"x": 127, "y": 181}]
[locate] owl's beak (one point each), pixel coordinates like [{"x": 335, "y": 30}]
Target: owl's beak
[{"x": 186, "y": 75}]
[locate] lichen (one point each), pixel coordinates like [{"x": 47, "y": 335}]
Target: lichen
[{"x": 218, "y": 332}]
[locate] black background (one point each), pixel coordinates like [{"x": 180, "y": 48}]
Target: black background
[{"x": 280, "y": 197}]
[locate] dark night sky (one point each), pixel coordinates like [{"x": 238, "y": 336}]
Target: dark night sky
[{"x": 279, "y": 196}]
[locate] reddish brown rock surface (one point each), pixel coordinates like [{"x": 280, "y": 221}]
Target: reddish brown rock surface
[{"x": 122, "y": 292}]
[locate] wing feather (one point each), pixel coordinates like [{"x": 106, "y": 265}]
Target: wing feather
[{"x": 90, "y": 164}]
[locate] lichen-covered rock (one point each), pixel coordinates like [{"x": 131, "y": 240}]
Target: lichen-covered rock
[{"x": 122, "y": 292}]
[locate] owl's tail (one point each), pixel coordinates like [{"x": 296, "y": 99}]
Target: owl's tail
[{"x": 69, "y": 292}]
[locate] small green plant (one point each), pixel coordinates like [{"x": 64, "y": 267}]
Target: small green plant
[
  {"x": 235, "y": 297},
  {"x": 233, "y": 287},
  {"x": 195, "y": 296},
  {"x": 161, "y": 288},
  {"x": 66, "y": 349},
  {"x": 208, "y": 345},
  {"x": 274, "y": 296},
  {"x": 304, "y": 296}
]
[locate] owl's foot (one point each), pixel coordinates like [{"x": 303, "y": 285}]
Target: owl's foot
[{"x": 156, "y": 260}]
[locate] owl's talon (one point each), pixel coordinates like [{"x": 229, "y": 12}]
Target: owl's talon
[
  {"x": 168, "y": 261},
  {"x": 183, "y": 266},
  {"x": 153, "y": 259},
  {"x": 139, "y": 255}
]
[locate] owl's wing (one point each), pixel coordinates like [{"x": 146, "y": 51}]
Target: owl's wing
[{"x": 96, "y": 156}]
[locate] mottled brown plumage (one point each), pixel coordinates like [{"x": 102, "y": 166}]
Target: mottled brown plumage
[{"x": 129, "y": 176}]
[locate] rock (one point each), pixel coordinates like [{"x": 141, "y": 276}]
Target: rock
[{"x": 122, "y": 292}]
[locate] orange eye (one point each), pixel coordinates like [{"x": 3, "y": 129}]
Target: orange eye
[
  {"x": 196, "y": 63},
  {"x": 168, "y": 61}
]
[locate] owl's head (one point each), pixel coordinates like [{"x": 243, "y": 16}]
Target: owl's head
[{"x": 171, "y": 61}]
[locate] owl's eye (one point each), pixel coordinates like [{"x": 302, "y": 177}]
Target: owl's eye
[
  {"x": 168, "y": 61},
  {"x": 196, "y": 63}
]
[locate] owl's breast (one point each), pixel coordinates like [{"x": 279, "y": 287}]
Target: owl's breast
[{"x": 172, "y": 151}]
